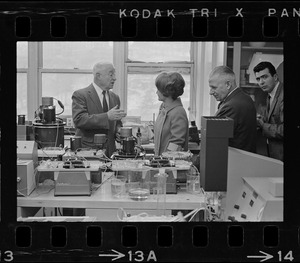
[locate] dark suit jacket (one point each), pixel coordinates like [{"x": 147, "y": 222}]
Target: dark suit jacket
[
  {"x": 272, "y": 128},
  {"x": 89, "y": 119},
  {"x": 240, "y": 107}
]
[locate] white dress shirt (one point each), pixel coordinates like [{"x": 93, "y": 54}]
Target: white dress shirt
[
  {"x": 100, "y": 95},
  {"x": 272, "y": 93}
]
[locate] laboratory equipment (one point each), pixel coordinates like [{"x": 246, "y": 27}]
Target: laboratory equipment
[
  {"x": 251, "y": 184},
  {"x": 48, "y": 130},
  {"x": 21, "y": 119},
  {"x": 118, "y": 188},
  {"x": 25, "y": 132},
  {"x": 75, "y": 143},
  {"x": 72, "y": 182},
  {"x": 257, "y": 201},
  {"x": 100, "y": 140},
  {"x": 139, "y": 194},
  {"x": 215, "y": 132},
  {"x": 159, "y": 161},
  {"x": 159, "y": 191},
  {"x": 27, "y": 150},
  {"x": 193, "y": 133},
  {"x": 139, "y": 137},
  {"x": 128, "y": 142},
  {"x": 177, "y": 155},
  {"x": 193, "y": 184},
  {"x": 139, "y": 185},
  {"x": 71, "y": 177},
  {"x": 25, "y": 177}
]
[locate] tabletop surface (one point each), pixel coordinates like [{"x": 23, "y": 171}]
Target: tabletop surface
[{"x": 43, "y": 196}]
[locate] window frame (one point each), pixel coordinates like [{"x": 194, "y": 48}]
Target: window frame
[
  {"x": 134, "y": 67},
  {"x": 122, "y": 64}
]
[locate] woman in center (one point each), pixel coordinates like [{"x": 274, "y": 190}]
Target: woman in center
[{"x": 171, "y": 125}]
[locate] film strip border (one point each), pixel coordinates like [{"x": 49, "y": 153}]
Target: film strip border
[
  {"x": 164, "y": 28},
  {"x": 151, "y": 242},
  {"x": 161, "y": 21},
  {"x": 196, "y": 21}
]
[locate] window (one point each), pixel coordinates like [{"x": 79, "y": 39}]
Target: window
[
  {"x": 76, "y": 55},
  {"x": 159, "y": 51},
  {"x": 57, "y": 69},
  {"x": 145, "y": 61},
  {"x": 22, "y": 68},
  {"x": 61, "y": 86},
  {"x": 142, "y": 98},
  {"x": 21, "y": 93},
  {"x": 67, "y": 66}
]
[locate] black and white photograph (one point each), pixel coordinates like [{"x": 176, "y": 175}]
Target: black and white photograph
[{"x": 150, "y": 131}]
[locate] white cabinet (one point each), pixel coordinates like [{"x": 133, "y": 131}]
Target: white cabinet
[{"x": 256, "y": 201}]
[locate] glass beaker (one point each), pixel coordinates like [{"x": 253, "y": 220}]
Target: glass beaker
[
  {"x": 193, "y": 184},
  {"x": 139, "y": 190},
  {"x": 118, "y": 188}
]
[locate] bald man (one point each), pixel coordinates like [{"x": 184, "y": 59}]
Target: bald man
[
  {"x": 235, "y": 104},
  {"x": 95, "y": 109}
]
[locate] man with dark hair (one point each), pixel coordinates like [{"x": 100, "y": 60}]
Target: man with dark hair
[
  {"x": 235, "y": 104},
  {"x": 271, "y": 119}
]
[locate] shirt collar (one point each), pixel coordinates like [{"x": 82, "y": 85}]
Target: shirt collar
[
  {"x": 273, "y": 92},
  {"x": 99, "y": 91},
  {"x": 229, "y": 94},
  {"x": 96, "y": 86}
]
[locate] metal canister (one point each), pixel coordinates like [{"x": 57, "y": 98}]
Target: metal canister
[
  {"x": 49, "y": 114},
  {"x": 49, "y": 135},
  {"x": 128, "y": 145},
  {"x": 100, "y": 140},
  {"x": 21, "y": 119},
  {"x": 126, "y": 132},
  {"x": 47, "y": 101},
  {"x": 75, "y": 143}
]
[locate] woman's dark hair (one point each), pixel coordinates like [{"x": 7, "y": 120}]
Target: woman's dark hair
[
  {"x": 170, "y": 84},
  {"x": 263, "y": 65}
]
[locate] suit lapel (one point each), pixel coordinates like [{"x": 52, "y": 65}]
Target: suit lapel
[
  {"x": 95, "y": 98},
  {"x": 111, "y": 100},
  {"x": 227, "y": 99},
  {"x": 220, "y": 105},
  {"x": 272, "y": 106}
]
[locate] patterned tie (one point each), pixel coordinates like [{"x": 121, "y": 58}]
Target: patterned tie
[{"x": 104, "y": 104}]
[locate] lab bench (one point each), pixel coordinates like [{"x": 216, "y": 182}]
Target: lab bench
[{"x": 105, "y": 207}]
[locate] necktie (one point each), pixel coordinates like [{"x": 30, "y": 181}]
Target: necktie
[
  {"x": 219, "y": 105},
  {"x": 104, "y": 104},
  {"x": 268, "y": 103}
]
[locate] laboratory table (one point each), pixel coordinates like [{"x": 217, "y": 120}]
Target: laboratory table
[{"x": 102, "y": 205}]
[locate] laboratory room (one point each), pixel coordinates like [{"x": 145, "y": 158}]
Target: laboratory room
[{"x": 149, "y": 131}]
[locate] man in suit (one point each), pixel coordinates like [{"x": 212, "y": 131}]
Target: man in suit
[
  {"x": 95, "y": 109},
  {"x": 235, "y": 104},
  {"x": 271, "y": 121}
]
